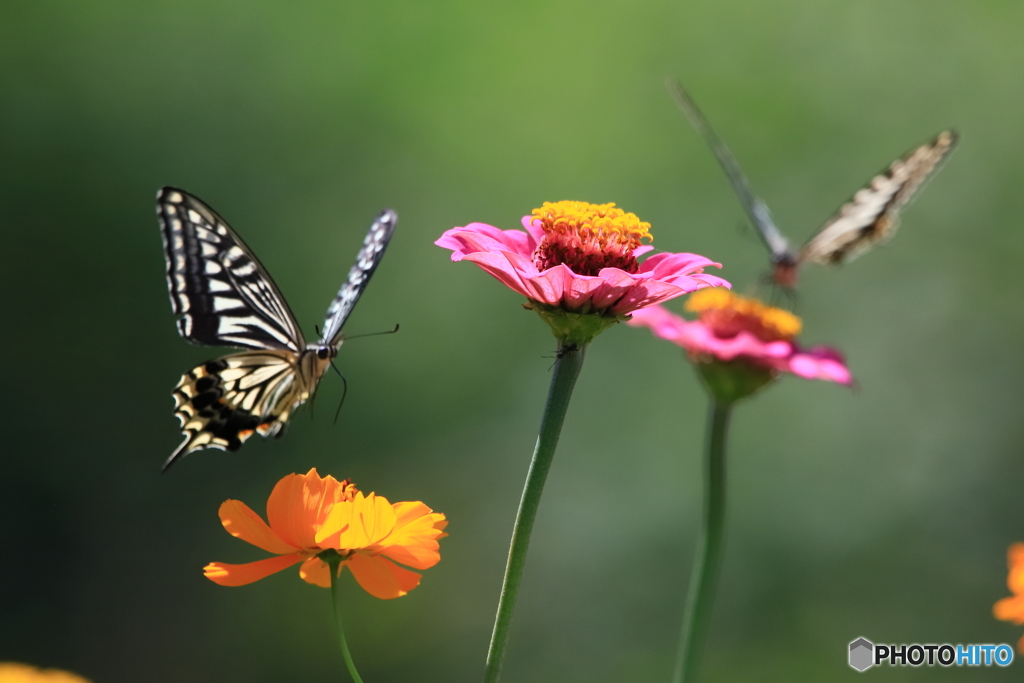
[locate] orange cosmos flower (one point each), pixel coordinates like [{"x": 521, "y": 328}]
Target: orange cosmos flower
[
  {"x": 23, "y": 673},
  {"x": 1012, "y": 608},
  {"x": 309, "y": 515}
]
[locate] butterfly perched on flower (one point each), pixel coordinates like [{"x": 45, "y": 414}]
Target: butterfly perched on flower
[
  {"x": 225, "y": 297},
  {"x": 870, "y": 218}
]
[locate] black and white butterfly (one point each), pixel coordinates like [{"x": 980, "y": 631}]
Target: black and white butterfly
[
  {"x": 226, "y": 298},
  {"x": 870, "y": 218}
]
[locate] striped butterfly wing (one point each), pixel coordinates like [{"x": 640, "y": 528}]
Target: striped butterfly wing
[
  {"x": 220, "y": 404},
  {"x": 755, "y": 208},
  {"x": 225, "y": 297},
  {"x": 221, "y": 291},
  {"x": 872, "y": 216},
  {"x": 367, "y": 260}
]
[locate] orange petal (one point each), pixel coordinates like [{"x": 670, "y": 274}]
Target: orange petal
[
  {"x": 381, "y": 578},
  {"x": 242, "y": 574},
  {"x": 1015, "y": 555},
  {"x": 415, "y": 517},
  {"x": 317, "y": 572},
  {"x": 414, "y": 541},
  {"x": 1015, "y": 559},
  {"x": 410, "y": 510},
  {"x": 241, "y": 522},
  {"x": 299, "y": 504},
  {"x": 11, "y": 672},
  {"x": 1010, "y": 609},
  {"x": 416, "y": 556},
  {"x": 357, "y": 524}
]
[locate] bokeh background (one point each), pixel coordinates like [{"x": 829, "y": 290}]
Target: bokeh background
[{"x": 882, "y": 512}]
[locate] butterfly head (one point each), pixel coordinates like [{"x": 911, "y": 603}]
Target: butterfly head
[
  {"x": 324, "y": 352},
  {"x": 785, "y": 270}
]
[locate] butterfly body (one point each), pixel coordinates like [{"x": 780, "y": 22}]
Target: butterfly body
[
  {"x": 226, "y": 298},
  {"x": 785, "y": 269},
  {"x": 870, "y": 218}
]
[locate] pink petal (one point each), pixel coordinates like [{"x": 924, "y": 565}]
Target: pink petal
[
  {"x": 820, "y": 363},
  {"x": 667, "y": 264},
  {"x": 480, "y": 237},
  {"x": 823, "y": 362},
  {"x": 502, "y": 265},
  {"x": 711, "y": 280},
  {"x": 533, "y": 229},
  {"x": 549, "y": 286},
  {"x": 648, "y": 292}
]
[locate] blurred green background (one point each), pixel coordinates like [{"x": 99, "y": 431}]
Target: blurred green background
[{"x": 883, "y": 512}]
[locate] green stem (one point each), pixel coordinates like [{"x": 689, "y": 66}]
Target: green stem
[
  {"x": 701, "y": 593},
  {"x": 335, "y": 565},
  {"x": 563, "y": 379}
]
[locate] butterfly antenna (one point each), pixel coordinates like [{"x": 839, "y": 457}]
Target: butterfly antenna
[
  {"x": 783, "y": 297},
  {"x": 344, "y": 391},
  {"x": 767, "y": 288},
  {"x": 755, "y": 288},
  {"x": 373, "y": 334},
  {"x": 746, "y": 231}
]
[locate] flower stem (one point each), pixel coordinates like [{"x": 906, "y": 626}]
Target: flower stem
[
  {"x": 704, "y": 576},
  {"x": 335, "y": 566},
  {"x": 563, "y": 379}
]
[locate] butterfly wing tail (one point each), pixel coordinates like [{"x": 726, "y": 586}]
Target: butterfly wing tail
[{"x": 181, "y": 451}]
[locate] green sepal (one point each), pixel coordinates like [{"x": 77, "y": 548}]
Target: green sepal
[
  {"x": 730, "y": 381},
  {"x": 574, "y": 328}
]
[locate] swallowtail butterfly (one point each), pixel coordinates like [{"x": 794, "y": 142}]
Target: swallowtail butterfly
[
  {"x": 869, "y": 218},
  {"x": 225, "y": 297}
]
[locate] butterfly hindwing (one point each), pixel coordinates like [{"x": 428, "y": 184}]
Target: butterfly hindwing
[
  {"x": 369, "y": 256},
  {"x": 218, "y": 287},
  {"x": 872, "y": 216},
  {"x": 221, "y": 403}
]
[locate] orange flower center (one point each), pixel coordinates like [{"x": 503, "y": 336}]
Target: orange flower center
[
  {"x": 348, "y": 490},
  {"x": 728, "y": 314},
  {"x": 588, "y": 237}
]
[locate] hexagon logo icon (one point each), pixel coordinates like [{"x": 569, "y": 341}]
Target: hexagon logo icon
[{"x": 862, "y": 654}]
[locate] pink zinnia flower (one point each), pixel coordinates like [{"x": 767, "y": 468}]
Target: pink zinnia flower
[
  {"x": 731, "y": 328},
  {"x": 580, "y": 259}
]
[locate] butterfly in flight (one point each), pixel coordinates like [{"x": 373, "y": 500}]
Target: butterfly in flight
[
  {"x": 225, "y": 297},
  {"x": 870, "y": 218}
]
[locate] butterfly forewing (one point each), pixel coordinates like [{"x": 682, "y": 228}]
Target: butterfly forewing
[
  {"x": 218, "y": 287},
  {"x": 757, "y": 211},
  {"x": 872, "y": 216},
  {"x": 370, "y": 254}
]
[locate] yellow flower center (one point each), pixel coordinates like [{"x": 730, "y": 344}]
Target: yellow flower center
[
  {"x": 728, "y": 314},
  {"x": 588, "y": 237}
]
